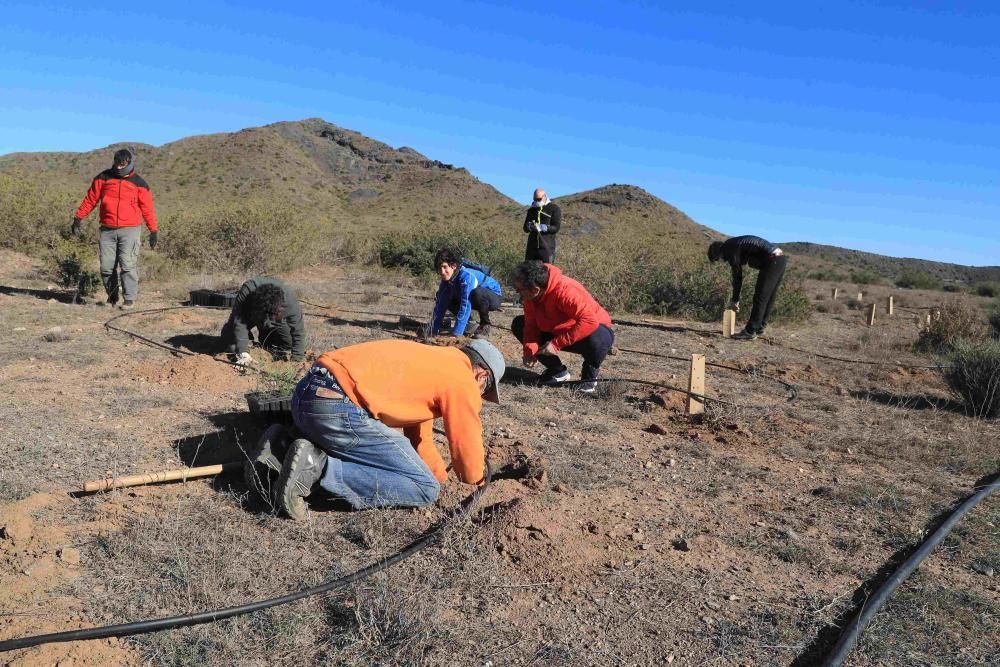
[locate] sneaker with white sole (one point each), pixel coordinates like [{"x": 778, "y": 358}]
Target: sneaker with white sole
[
  {"x": 303, "y": 468},
  {"x": 588, "y": 386},
  {"x": 551, "y": 379}
]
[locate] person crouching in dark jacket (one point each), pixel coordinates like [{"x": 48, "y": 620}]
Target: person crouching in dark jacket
[{"x": 273, "y": 308}]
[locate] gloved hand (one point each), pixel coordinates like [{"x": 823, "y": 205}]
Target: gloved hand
[
  {"x": 76, "y": 227},
  {"x": 152, "y": 241},
  {"x": 244, "y": 359},
  {"x": 733, "y": 305},
  {"x": 536, "y": 226}
]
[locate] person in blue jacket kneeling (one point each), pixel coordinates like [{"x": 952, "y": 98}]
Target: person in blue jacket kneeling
[{"x": 464, "y": 288}]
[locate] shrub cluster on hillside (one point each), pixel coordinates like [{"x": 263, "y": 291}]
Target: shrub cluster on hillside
[
  {"x": 973, "y": 373},
  {"x": 914, "y": 279},
  {"x": 957, "y": 322}
]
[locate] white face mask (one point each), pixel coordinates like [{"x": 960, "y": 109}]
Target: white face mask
[{"x": 539, "y": 204}]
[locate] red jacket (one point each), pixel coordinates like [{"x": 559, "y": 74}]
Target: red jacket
[
  {"x": 125, "y": 202},
  {"x": 565, "y": 309}
]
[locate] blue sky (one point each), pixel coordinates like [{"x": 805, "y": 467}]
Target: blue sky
[{"x": 873, "y": 126}]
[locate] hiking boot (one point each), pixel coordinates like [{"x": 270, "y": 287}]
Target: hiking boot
[
  {"x": 127, "y": 305},
  {"x": 588, "y": 386},
  {"x": 746, "y": 335},
  {"x": 263, "y": 464},
  {"x": 554, "y": 378},
  {"x": 483, "y": 331},
  {"x": 302, "y": 469}
]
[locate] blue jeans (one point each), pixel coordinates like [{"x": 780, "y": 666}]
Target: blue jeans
[{"x": 370, "y": 464}]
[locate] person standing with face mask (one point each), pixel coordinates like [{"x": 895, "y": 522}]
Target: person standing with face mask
[
  {"x": 541, "y": 224},
  {"x": 125, "y": 202}
]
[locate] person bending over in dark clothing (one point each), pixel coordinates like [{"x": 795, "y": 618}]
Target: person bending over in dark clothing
[
  {"x": 762, "y": 255},
  {"x": 272, "y": 307}
]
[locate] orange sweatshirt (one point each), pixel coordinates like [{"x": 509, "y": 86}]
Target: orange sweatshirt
[{"x": 407, "y": 385}]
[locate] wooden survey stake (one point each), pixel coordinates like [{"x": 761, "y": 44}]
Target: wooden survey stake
[
  {"x": 155, "y": 477},
  {"x": 888, "y": 305},
  {"x": 861, "y": 296},
  {"x": 871, "y": 315},
  {"x": 696, "y": 385},
  {"x": 835, "y": 292},
  {"x": 728, "y": 324}
]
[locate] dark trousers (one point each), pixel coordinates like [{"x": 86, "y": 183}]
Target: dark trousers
[
  {"x": 594, "y": 348},
  {"x": 273, "y": 336},
  {"x": 483, "y": 302},
  {"x": 537, "y": 250},
  {"x": 768, "y": 280}
]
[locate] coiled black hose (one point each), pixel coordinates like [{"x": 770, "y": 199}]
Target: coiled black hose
[{"x": 171, "y": 622}]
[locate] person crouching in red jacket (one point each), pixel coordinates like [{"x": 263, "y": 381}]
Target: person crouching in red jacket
[{"x": 560, "y": 314}]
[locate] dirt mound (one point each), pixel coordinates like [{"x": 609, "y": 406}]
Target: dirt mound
[
  {"x": 198, "y": 372},
  {"x": 37, "y": 562}
]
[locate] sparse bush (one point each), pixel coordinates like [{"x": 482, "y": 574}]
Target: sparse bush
[
  {"x": 957, "y": 322},
  {"x": 951, "y": 287},
  {"x": 990, "y": 290},
  {"x": 974, "y": 376},
  {"x": 914, "y": 279},
  {"x": 69, "y": 261},
  {"x": 33, "y": 215},
  {"x": 416, "y": 253},
  {"x": 827, "y": 275},
  {"x": 855, "y": 304},
  {"x": 994, "y": 319},
  {"x": 246, "y": 238},
  {"x": 864, "y": 277},
  {"x": 834, "y": 307}
]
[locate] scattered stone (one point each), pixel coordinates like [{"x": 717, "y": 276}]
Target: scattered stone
[
  {"x": 649, "y": 464},
  {"x": 671, "y": 463},
  {"x": 656, "y": 429},
  {"x": 680, "y": 544},
  {"x": 822, "y": 491},
  {"x": 790, "y": 535},
  {"x": 69, "y": 555},
  {"x": 983, "y": 569},
  {"x": 55, "y": 334},
  {"x": 551, "y": 424},
  {"x": 644, "y": 547},
  {"x": 733, "y": 598}
]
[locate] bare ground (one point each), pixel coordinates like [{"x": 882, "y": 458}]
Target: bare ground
[{"x": 615, "y": 533}]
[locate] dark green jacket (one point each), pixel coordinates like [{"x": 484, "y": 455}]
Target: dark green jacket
[{"x": 293, "y": 319}]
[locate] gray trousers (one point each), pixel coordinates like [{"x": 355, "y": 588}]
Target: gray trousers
[{"x": 120, "y": 253}]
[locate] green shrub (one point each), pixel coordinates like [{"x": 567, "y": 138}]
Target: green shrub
[
  {"x": 855, "y": 304},
  {"x": 914, "y": 279},
  {"x": 68, "y": 262},
  {"x": 33, "y": 215},
  {"x": 957, "y": 322},
  {"x": 994, "y": 320},
  {"x": 951, "y": 288},
  {"x": 864, "y": 277},
  {"x": 833, "y": 307},
  {"x": 987, "y": 289},
  {"x": 974, "y": 376},
  {"x": 828, "y": 275},
  {"x": 416, "y": 253},
  {"x": 247, "y": 238}
]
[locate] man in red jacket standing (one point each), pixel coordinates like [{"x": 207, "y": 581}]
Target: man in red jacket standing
[
  {"x": 125, "y": 202},
  {"x": 560, "y": 314}
]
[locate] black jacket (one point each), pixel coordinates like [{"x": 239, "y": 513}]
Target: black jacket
[
  {"x": 242, "y": 310},
  {"x": 740, "y": 250},
  {"x": 549, "y": 215}
]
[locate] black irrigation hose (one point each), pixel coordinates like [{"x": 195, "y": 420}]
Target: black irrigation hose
[
  {"x": 849, "y": 639},
  {"x": 170, "y": 622},
  {"x": 856, "y": 361}
]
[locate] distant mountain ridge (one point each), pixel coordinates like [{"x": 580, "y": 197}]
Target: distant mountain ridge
[
  {"x": 844, "y": 259},
  {"x": 356, "y": 185}
]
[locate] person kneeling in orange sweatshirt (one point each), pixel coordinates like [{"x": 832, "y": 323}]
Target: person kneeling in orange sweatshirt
[{"x": 351, "y": 403}]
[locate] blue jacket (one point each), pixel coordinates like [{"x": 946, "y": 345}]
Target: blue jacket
[{"x": 460, "y": 288}]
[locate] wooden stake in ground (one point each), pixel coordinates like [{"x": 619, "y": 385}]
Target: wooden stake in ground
[
  {"x": 888, "y": 305},
  {"x": 871, "y": 315},
  {"x": 165, "y": 476},
  {"x": 728, "y": 323},
  {"x": 861, "y": 296},
  {"x": 696, "y": 385},
  {"x": 835, "y": 292}
]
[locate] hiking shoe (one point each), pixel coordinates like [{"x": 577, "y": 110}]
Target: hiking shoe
[
  {"x": 588, "y": 386},
  {"x": 483, "y": 331},
  {"x": 553, "y": 378},
  {"x": 127, "y": 305},
  {"x": 302, "y": 469},
  {"x": 263, "y": 464},
  {"x": 746, "y": 335}
]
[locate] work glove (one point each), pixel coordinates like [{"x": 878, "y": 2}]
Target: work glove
[
  {"x": 536, "y": 227},
  {"x": 152, "y": 241},
  {"x": 733, "y": 305},
  {"x": 243, "y": 359},
  {"x": 76, "y": 227}
]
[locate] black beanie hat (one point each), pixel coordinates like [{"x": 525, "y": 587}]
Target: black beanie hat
[{"x": 122, "y": 155}]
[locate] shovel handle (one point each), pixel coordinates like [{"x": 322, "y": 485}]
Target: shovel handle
[{"x": 155, "y": 477}]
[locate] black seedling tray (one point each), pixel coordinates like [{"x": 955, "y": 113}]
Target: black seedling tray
[
  {"x": 207, "y": 297},
  {"x": 270, "y": 409}
]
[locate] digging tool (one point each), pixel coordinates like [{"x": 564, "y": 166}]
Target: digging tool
[{"x": 165, "y": 476}]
